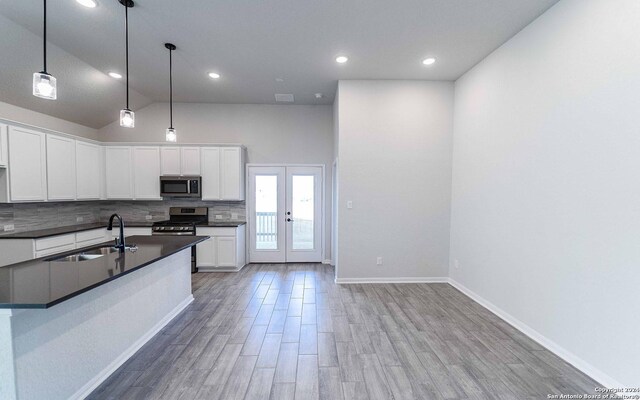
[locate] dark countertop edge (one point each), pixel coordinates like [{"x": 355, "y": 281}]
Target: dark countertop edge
[
  {"x": 65, "y": 230},
  {"x": 44, "y": 306}
]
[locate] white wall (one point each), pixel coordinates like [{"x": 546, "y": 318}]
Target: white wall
[
  {"x": 394, "y": 154},
  {"x": 271, "y": 133},
  {"x": 546, "y": 195},
  {"x": 13, "y": 113}
]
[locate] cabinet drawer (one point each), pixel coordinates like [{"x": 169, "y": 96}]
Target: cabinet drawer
[
  {"x": 90, "y": 235},
  {"x": 131, "y": 232},
  {"x": 204, "y": 231},
  {"x": 55, "y": 250},
  {"x": 55, "y": 241}
]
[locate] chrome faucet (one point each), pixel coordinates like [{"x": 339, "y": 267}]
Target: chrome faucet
[{"x": 119, "y": 241}]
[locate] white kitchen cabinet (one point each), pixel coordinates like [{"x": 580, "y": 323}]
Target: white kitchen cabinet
[
  {"x": 4, "y": 148},
  {"x": 119, "y": 172},
  {"x": 170, "y": 161},
  {"x": 210, "y": 163},
  {"x": 89, "y": 170},
  {"x": 146, "y": 172},
  {"x": 61, "y": 168},
  {"x": 224, "y": 250},
  {"x": 90, "y": 238},
  {"x": 222, "y": 173},
  {"x": 231, "y": 173},
  {"x": 227, "y": 251},
  {"x": 27, "y": 165},
  {"x": 190, "y": 160}
]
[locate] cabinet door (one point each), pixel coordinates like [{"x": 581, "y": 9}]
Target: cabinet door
[
  {"x": 226, "y": 249},
  {"x": 119, "y": 174},
  {"x": 170, "y": 160},
  {"x": 232, "y": 174},
  {"x": 210, "y": 165},
  {"x": 146, "y": 171},
  {"x": 4, "y": 154},
  {"x": 27, "y": 160},
  {"x": 190, "y": 160},
  {"x": 61, "y": 168},
  {"x": 206, "y": 253},
  {"x": 88, "y": 170}
]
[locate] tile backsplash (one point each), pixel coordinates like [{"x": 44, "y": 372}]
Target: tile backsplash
[{"x": 33, "y": 216}]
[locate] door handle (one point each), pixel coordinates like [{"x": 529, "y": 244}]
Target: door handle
[{"x": 289, "y": 220}]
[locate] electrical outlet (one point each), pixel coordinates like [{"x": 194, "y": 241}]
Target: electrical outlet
[
  {"x": 148, "y": 217},
  {"x": 79, "y": 219},
  {"x": 8, "y": 228},
  {"x": 234, "y": 216},
  {"x": 456, "y": 263},
  {"x": 349, "y": 204},
  {"x": 379, "y": 261},
  {"x": 218, "y": 216}
]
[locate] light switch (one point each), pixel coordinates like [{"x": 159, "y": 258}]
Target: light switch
[{"x": 349, "y": 204}]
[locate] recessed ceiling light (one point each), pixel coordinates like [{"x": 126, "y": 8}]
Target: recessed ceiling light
[
  {"x": 214, "y": 75},
  {"x": 279, "y": 80},
  {"x": 319, "y": 95},
  {"x": 88, "y": 3},
  {"x": 429, "y": 61},
  {"x": 115, "y": 75},
  {"x": 342, "y": 59}
]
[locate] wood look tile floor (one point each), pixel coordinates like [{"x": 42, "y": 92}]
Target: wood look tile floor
[{"x": 287, "y": 331}]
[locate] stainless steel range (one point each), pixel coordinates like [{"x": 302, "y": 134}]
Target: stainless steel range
[{"x": 182, "y": 221}]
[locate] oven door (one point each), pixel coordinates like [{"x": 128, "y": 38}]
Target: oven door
[{"x": 180, "y": 186}]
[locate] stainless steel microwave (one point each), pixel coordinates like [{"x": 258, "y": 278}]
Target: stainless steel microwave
[{"x": 181, "y": 186}]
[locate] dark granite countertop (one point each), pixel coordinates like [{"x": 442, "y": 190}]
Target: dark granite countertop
[
  {"x": 42, "y": 283},
  {"x": 63, "y": 230}
]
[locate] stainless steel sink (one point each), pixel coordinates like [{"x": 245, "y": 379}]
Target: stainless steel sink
[{"x": 86, "y": 255}]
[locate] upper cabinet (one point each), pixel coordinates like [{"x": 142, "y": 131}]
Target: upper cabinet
[
  {"x": 190, "y": 160},
  {"x": 4, "y": 150},
  {"x": 37, "y": 166},
  {"x": 222, "y": 173},
  {"x": 61, "y": 168},
  {"x": 89, "y": 171},
  {"x": 170, "y": 161},
  {"x": 27, "y": 165},
  {"x": 231, "y": 173},
  {"x": 210, "y": 165},
  {"x": 146, "y": 171},
  {"x": 119, "y": 172}
]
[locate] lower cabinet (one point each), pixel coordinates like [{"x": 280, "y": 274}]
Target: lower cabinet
[
  {"x": 224, "y": 250},
  {"x": 17, "y": 250}
]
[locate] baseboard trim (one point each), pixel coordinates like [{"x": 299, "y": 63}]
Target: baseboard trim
[
  {"x": 90, "y": 386},
  {"x": 347, "y": 281},
  {"x": 219, "y": 269},
  {"x": 586, "y": 368}
]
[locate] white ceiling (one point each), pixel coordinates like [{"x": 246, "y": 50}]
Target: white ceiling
[{"x": 249, "y": 42}]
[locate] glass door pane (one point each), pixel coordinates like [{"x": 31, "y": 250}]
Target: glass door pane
[
  {"x": 302, "y": 212},
  {"x": 266, "y": 217}
]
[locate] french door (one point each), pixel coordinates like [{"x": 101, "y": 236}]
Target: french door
[{"x": 285, "y": 213}]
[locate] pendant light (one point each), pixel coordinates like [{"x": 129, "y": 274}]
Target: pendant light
[
  {"x": 171, "y": 135},
  {"x": 44, "y": 85},
  {"x": 127, "y": 117}
]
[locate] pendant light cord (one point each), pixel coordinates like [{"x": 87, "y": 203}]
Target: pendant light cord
[
  {"x": 44, "y": 37},
  {"x": 126, "y": 30},
  {"x": 170, "y": 90}
]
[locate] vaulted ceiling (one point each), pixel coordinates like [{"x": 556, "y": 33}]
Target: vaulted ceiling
[{"x": 259, "y": 47}]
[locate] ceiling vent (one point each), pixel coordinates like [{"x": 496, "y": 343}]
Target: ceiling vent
[{"x": 284, "y": 98}]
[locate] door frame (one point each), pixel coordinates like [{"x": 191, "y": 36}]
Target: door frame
[{"x": 322, "y": 200}]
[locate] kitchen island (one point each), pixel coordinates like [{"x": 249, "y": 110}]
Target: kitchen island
[{"x": 66, "y": 323}]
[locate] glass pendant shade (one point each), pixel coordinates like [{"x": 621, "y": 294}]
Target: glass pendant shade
[
  {"x": 171, "y": 135},
  {"x": 127, "y": 118},
  {"x": 44, "y": 86}
]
